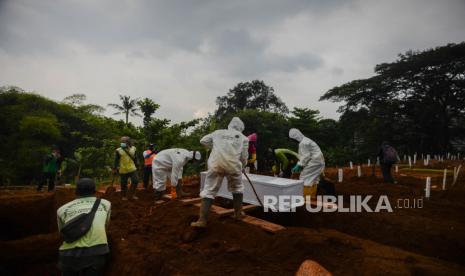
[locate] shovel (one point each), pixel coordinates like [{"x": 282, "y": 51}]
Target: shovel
[
  {"x": 111, "y": 189},
  {"x": 253, "y": 188}
]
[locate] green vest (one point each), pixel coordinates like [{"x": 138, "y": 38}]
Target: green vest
[
  {"x": 126, "y": 165},
  {"x": 50, "y": 166}
]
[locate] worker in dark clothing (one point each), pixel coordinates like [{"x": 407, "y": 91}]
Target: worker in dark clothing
[
  {"x": 268, "y": 160},
  {"x": 149, "y": 155},
  {"x": 387, "y": 157},
  {"x": 50, "y": 168}
]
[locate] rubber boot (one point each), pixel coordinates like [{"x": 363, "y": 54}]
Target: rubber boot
[
  {"x": 159, "y": 195},
  {"x": 310, "y": 191},
  {"x": 124, "y": 195},
  {"x": 237, "y": 204},
  {"x": 203, "y": 215},
  {"x": 124, "y": 192},
  {"x": 179, "y": 192}
]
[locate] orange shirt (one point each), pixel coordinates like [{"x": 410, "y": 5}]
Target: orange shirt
[{"x": 148, "y": 160}]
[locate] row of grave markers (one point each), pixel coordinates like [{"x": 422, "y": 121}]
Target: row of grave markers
[
  {"x": 413, "y": 161},
  {"x": 444, "y": 180},
  {"x": 340, "y": 174},
  {"x": 427, "y": 158}
]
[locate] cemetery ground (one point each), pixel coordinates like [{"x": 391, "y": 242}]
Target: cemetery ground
[{"x": 148, "y": 239}]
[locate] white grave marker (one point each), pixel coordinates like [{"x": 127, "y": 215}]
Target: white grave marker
[
  {"x": 428, "y": 187},
  {"x": 444, "y": 178}
]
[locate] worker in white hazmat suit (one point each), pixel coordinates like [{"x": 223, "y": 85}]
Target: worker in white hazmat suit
[
  {"x": 311, "y": 162},
  {"x": 170, "y": 163},
  {"x": 227, "y": 159}
]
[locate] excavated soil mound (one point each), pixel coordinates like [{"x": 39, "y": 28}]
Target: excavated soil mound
[
  {"x": 437, "y": 229},
  {"x": 157, "y": 240},
  {"x": 155, "y": 243}
]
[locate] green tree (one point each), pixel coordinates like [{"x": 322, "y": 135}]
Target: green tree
[
  {"x": 417, "y": 101},
  {"x": 148, "y": 108},
  {"x": 44, "y": 128},
  {"x": 250, "y": 95},
  {"x": 77, "y": 101},
  {"x": 128, "y": 107},
  {"x": 154, "y": 130},
  {"x": 30, "y": 124},
  {"x": 306, "y": 120}
]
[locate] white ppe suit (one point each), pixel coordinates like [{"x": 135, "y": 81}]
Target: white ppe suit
[
  {"x": 170, "y": 163},
  {"x": 310, "y": 158},
  {"x": 228, "y": 156}
]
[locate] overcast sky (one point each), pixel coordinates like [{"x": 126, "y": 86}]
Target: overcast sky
[{"x": 183, "y": 54}]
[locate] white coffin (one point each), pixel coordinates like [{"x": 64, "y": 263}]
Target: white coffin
[{"x": 264, "y": 185}]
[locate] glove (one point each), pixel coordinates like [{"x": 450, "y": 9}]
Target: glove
[{"x": 297, "y": 168}]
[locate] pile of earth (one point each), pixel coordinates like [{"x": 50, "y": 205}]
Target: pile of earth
[{"x": 149, "y": 239}]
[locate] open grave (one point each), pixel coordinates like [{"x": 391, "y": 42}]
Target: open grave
[{"x": 149, "y": 239}]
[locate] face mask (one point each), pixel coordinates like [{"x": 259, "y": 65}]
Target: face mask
[{"x": 123, "y": 145}]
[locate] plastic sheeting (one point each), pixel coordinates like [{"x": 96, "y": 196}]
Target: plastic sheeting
[{"x": 264, "y": 185}]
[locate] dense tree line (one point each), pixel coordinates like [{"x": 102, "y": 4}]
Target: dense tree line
[
  {"x": 31, "y": 124},
  {"x": 417, "y": 103}
]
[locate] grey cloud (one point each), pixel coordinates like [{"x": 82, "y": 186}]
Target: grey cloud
[
  {"x": 36, "y": 26},
  {"x": 304, "y": 61},
  {"x": 337, "y": 71},
  {"x": 246, "y": 56},
  {"x": 165, "y": 49},
  {"x": 237, "y": 42},
  {"x": 258, "y": 66}
]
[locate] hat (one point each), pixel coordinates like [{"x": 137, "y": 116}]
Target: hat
[
  {"x": 85, "y": 187},
  {"x": 252, "y": 137}
]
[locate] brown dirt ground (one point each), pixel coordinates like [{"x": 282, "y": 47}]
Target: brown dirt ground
[{"x": 148, "y": 240}]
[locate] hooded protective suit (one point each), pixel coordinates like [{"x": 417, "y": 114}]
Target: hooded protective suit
[
  {"x": 170, "y": 163},
  {"x": 228, "y": 156},
  {"x": 310, "y": 158}
]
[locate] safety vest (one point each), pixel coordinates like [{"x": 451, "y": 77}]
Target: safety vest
[
  {"x": 51, "y": 166},
  {"x": 126, "y": 165},
  {"x": 96, "y": 236},
  {"x": 148, "y": 160}
]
